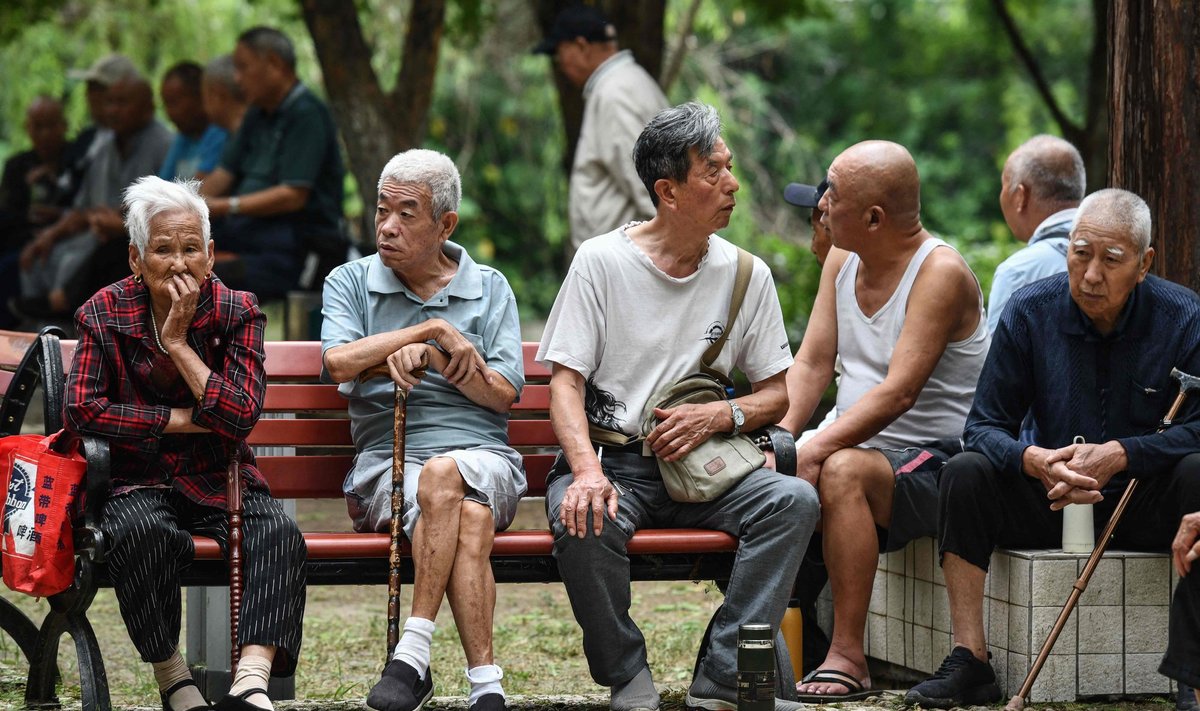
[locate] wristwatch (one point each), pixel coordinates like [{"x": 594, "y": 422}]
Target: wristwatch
[
  {"x": 235, "y": 205},
  {"x": 739, "y": 418}
]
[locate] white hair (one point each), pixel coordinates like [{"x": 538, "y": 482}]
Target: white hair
[
  {"x": 150, "y": 196},
  {"x": 432, "y": 169},
  {"x": 1120, "y": 211}
]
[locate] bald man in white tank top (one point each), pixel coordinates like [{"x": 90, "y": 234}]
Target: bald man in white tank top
[{"x": 905, "y": 314}]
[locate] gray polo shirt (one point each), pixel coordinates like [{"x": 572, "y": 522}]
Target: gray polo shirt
[{"x": 364, "y": 298}]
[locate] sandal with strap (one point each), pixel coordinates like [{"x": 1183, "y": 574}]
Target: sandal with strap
[
  {"x": 167, "y": 695},
  {"x": 238, "y": 702},
  {"x": 834, "y": 676}
]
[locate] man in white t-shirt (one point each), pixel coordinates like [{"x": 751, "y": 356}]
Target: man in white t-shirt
[
  {"x": 904, "y": 314},
  {"x": 636, "y": 311}
]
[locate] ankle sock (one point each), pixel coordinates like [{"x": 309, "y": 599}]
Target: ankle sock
[
  {"x": 414, "y": 645},
  {"x": 484, "y": 679},
  {"x": 253, "y": 672},
  {"x": 172, "y": 672}
]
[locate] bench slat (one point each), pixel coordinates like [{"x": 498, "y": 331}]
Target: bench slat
[
  {"x": 300, "y": 397},
  {"x": 320, "y": 476},
  {"x": 350, "y": 545}
]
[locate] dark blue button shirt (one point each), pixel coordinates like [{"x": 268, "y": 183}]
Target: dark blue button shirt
[{"x": 1047, "y": 359}]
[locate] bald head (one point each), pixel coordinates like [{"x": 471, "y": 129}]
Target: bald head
[
  {"x": 1051, "y": 168},
  {"x": 1044, "y": 175},
  {"x": 878, "y": 188}
]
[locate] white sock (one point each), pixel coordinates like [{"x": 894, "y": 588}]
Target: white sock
[
  {"x": 169, "y": 673},
  {"x": 253, "y": 672},
  {"x": 484, "y": 680},
  {"x": 414, "y": 645}
]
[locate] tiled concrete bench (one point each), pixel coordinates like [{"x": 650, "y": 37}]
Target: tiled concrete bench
[{"x": 1111, "y": 645}]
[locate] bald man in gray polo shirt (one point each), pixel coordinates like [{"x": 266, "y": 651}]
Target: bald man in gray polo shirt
[{"x": 421, "y": 304}]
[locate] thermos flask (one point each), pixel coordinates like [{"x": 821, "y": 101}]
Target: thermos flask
[{"x": 756, "y": 668}]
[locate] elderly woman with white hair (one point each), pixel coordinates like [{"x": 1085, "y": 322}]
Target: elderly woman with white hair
[{"x": 169, "y": 369}]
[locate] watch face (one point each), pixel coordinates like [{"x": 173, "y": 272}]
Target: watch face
[{"x": 739, "y": 417}]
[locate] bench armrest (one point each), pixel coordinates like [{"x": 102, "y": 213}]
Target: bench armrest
[
  {"x": 88, "y": 540},
  {"x": 42, "y": 363}
]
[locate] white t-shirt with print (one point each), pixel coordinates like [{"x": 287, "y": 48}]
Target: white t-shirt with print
[{"x": 628, "y": 328}]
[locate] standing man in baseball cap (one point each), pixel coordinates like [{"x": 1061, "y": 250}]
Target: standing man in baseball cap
[{"x": 620, "y": 98}]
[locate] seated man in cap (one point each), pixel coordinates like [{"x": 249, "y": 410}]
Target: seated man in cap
[
  {"x": 1087, "y": 355},
  {"x": 619, "y": 97},
  {"x": 63, "y": 264}
]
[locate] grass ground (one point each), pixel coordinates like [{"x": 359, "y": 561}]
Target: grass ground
[{"x": 536, "y": 639}]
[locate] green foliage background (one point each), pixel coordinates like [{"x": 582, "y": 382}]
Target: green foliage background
[{"x": 795, "y": 83}]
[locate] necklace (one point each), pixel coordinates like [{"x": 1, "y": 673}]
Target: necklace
[{"x": 154, "y": 330}]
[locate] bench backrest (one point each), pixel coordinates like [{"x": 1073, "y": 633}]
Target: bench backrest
[{"x": 311, "y": 416}]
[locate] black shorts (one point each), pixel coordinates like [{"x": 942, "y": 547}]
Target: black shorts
[{"x": 915, "y": 499}]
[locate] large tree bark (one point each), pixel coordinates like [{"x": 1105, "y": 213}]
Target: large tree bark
[
  {"x": 1090, "y": 137},
  {"x": 639, "y": 28},
  {"x": 375, "y": 125},
  {"x": 1154, "y": 58}
]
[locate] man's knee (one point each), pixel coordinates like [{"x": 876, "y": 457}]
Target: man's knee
[
  {"x": 847, "y": 473},
  {"x": 440, "y": 485},
  {"x": 476, "y": 529},
  {"x": 967, "y": 476}
]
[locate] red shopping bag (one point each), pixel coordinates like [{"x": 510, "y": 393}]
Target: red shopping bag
[{"x": 37, "y": 548}]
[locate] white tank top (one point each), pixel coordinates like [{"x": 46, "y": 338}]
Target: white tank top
[{"x": 866, "y": 344}]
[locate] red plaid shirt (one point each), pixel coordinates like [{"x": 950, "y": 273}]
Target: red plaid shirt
[{"x": 122, "y": 388}]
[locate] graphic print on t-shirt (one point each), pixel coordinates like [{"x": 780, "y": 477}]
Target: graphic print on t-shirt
[
  {"x": 713, "y": 333},
  {"x": 601, "y": 406}
]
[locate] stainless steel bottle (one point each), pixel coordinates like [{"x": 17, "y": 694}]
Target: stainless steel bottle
[{"x": 756, "y": 668}]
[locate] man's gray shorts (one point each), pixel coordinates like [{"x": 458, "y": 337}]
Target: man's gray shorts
[{"x": 494, "y": 475}]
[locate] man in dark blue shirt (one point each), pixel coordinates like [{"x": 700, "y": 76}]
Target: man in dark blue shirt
[
  {"x": 1087, "y": 354},
  {"x": 278, "y": 186}
]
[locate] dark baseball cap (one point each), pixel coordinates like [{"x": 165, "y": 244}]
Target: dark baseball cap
[
  {"x": 577, "y": 21},
  {"x": 802, "y": 195}
]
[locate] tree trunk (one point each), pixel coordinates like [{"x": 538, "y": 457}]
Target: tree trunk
[
  {"x": 373, "y": 125},
  {"x": 1154, "y": 52},
  {"x": 639, "y": 28}
]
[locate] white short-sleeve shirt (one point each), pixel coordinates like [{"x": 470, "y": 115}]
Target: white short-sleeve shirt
[{"x": 628, "y": 328}]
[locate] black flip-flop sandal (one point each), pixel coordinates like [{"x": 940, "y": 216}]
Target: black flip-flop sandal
[{"x": 834, "y": 676}]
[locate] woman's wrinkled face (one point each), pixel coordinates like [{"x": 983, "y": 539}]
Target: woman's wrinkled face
[{"x": 175, "y": 248}]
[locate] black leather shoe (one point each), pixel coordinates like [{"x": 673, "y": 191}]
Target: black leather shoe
[
  {"x": 489, "y": 702},
  {"x": 961, "y": 680},
  {"x": 400, "y": 688},
  {"x": 1185, "y": 699}
]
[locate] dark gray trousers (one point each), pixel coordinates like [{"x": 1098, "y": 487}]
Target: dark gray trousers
[{"x": 772, "y": 516}]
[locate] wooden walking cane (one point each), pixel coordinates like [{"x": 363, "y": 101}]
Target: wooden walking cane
[
  {"x": 399, "y": 417},
  {"x": 1187, "y": 383},
  {"x": 233, "y": 501}
]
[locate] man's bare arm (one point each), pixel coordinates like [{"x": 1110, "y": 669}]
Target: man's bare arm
[
  {"x": 812, "y": 370},
  {"x": 216, "y": 184},
  {"x": 686, "y": 427},
  {"x": 275, "y": 200},
  {"x": 590, "y": 490},
  {"x": 345, "y": 362}
]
